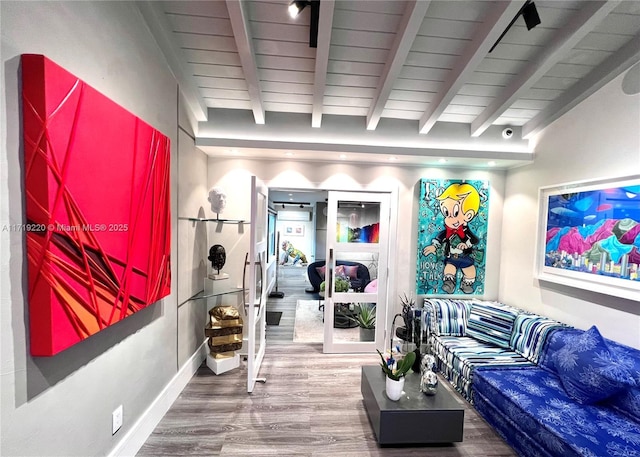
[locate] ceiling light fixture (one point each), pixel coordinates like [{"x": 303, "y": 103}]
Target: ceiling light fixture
[
  {"x": 392, "y": 158},
  {"x": 296, "y": 7},
  {"x": 492, "y": 164},
  {"x": 442, "y": 160},
  {"x": 531, "y": 18},
  {"x": 343, "y": 156}
]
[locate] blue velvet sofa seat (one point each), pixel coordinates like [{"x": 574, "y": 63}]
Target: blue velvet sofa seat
[
  {"x": 531, "y": 410},
  {"x": 548, "y": 389}
]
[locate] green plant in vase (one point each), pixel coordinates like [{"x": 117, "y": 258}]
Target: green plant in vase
[
  {"x": 341, "y": 285},
  {"x": 402, "y": 367},
  {"x": 365, "y": 316}
]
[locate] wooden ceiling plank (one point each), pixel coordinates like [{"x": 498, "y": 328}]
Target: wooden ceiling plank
[
  {"x": 565, "y": 39},
  {"x": 161, "y": 30},
  {"x": 486, "y": 35},
  {"x": 408, "y": 29},
  {"x": 325, "y": 26},
  {"x": 601, "y": 75},
  {"x": 244, "y": 42}
]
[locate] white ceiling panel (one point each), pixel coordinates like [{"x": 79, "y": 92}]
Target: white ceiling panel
[
  {"x": 399, "y": 60},
  {"x": 200, "y": 25},
  {"x": 212, "y": 57},
  {"x": 189, "y": 40},
  {"x": 207, "y": 82},
  {"x": 285, "y": 63},
  {"x": 287, "y": 88}
]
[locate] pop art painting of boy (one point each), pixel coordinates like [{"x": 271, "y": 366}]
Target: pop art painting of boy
[{"x": 452, "y": 231}]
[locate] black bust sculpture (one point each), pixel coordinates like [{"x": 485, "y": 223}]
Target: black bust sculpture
[{"x": 217, "y": 256}]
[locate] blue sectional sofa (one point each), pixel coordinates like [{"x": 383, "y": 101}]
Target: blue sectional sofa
[{"x": 548, "y": 389}]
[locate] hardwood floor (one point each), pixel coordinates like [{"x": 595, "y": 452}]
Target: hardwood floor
[
  {"x": 310, "y": 406},
  {"x": 292, "y": 281}
]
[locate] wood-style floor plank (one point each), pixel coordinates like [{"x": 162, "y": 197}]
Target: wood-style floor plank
[{"x": 310, "y": 406}]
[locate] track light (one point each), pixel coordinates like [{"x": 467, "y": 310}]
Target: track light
[
  {"x": 531, "y": 18},
  {"x": 530, "y": 15},
  {"x": 301, "y": 205},
  {"x": 296, "y": 7},
  {"x": 283, "y": 206}
]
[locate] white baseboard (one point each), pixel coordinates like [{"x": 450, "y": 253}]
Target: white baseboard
[{"x": 135, "y": 438}]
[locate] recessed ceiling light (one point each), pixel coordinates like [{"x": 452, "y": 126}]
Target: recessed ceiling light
[
  {"x": 492, "y": 164},
  {"x": 290, "y": 195},
  {"x": 343, "y": 156},
  {"x": 288, "y": 154},
  {"x": 392, "y": 158},
  {"x": 442, "y": 160}
]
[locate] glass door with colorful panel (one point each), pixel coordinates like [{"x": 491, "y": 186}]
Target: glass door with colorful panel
[
  {"x": 356, "y": 274},
  {"x": 255, "y": 283}
]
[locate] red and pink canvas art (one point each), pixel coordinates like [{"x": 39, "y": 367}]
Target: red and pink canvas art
[{"x": 98, "y": 223}]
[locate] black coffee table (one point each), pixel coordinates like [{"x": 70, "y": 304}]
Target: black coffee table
[{"x": 414, "y": 419}]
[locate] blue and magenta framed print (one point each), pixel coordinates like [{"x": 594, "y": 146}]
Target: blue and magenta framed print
[
  {"x": 589, "y": 235},
  {"x": 452, "y": 237}
]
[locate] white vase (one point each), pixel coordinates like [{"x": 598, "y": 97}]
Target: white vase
[{"x": 394, "y": 388}]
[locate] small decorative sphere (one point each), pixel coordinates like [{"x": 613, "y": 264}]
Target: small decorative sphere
[
  {"x": 429, "y": 383},
  {"x": 428, "y": 363}
]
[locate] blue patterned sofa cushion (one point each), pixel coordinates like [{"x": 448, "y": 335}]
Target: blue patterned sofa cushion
[
  {"x": 531, "y": 410},
  {"x": 459, "y": 356},
  {"x": 491, "y": 322},
  {"x": 530, "y": 333},
  {"x": 589, "y": 371},
  {"x": 446, "y": 317},
  {"x": 628, "y": 400}
]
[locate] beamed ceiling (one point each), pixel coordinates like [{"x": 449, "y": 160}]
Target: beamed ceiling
[{"x": 410, "y": 81}]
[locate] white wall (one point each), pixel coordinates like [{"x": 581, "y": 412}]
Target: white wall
[
  {"x": 234, "y": 174},
  {"x": 304, "y": 243},
  {"x": 62, "y": 405},
  {"x": 193, "y": 244},
  {"x": 598, "y": 138}
]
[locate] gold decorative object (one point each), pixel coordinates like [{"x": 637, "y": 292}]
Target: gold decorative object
[{"x": 224, "y": 329}]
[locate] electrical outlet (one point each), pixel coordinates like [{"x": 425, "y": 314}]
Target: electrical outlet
[{"x": 116, "y": 419}]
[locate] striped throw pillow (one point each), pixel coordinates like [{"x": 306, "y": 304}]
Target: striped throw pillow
[
  {"x": 492, "y": 322},
  {"x": 530, "y": 333},
  {"x": 446, "y": 317}
]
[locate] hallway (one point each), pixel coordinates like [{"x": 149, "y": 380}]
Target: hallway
[{"x": 292, "y": 280}]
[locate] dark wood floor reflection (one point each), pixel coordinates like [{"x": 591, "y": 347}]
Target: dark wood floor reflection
[{"x": 310, "y": 406}]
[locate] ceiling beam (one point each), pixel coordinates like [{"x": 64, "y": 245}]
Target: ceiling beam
[
  {"x": 565, "y": 39},
  {"x": 322, "y": 60},
  {"x": 488, "y": 32},
  {"x": 613, "y": 66},
  {"x": 161, "y": 29},
  {"x": 242, "y": 34},
  {"x": 408, "y": 29}
]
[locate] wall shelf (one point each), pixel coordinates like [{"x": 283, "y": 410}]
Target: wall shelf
[
  {"x": 214, "y": 219},
  {"x": 202, "y": 295}
]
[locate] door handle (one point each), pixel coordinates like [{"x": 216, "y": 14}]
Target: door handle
[{"x": 330, "y": 282}]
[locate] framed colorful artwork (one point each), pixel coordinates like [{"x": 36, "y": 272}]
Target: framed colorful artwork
[
  {"x": 452, "y": 237},
  {"x": 98, "y": 207},
  {"x": 589, "y": 235},
  {"x": 294, "y": 230}
]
